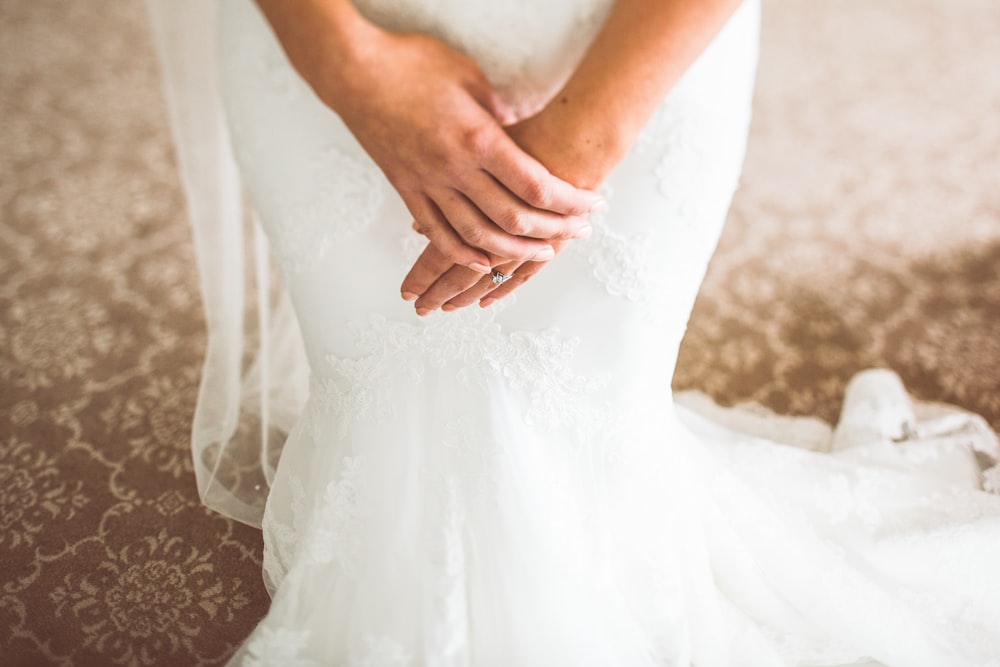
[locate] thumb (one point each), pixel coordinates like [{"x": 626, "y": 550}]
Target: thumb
[{"x": 488, "y": 97}]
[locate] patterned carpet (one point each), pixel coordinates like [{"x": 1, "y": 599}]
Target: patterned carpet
[{"x": 867, "y": 233}]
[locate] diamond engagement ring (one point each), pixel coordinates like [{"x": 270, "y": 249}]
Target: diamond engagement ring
[{"x": 499, "y": 278}]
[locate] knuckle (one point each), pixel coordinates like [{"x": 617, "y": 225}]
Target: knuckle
[
  {"x": 450, "y": 286},
  {"x": 522, "y": 276},
  {"x": 475, "y": 236},
  {"x": 456, "y": 173},
  {"x": 458, "y": 255},
  {"x": 564, "y": 233},
  {"x": 454, "y": 252},
  {"x": 515, "y": 222},
  {"x": 478, "y": 140},
  {"x": 537, "y": 193}
]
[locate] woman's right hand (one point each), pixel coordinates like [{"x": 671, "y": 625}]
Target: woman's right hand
[{"x": 428, "y": 117}]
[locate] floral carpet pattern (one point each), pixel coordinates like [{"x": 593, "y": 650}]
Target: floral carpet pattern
[{"x": 867, "y": 233}]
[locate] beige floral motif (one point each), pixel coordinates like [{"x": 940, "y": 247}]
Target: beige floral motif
[
  {"x": 170, "y": 503},
  {"x": 148, "y": 601},
  {"x": 157, "y": 422},
  {"x": 54, "y": 337},
  {"x": 24, "y": 413},
  {"x": 170, "y": 279},
  {"x": 32, "y": 493},
  {"x": 132, "y": 200},
  {"x": 963, "y": 351}
]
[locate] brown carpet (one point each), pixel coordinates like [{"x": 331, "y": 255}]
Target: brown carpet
[{"x": 867, "y": 234}]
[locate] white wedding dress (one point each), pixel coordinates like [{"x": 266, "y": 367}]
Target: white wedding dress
[{"x": 514, "y": 486}]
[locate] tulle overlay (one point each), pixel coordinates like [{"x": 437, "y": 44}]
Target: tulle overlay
[{"x": 515, "y": 486}]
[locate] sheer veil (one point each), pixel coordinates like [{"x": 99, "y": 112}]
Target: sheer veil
[{"x": 253, "y": 383}]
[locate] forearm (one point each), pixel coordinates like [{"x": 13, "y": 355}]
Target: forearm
[
  {"x": 643, "y": 49},
  {"x": 316, "y": 33}
]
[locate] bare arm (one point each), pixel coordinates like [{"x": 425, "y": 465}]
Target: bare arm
[
  {"x": 588, "y": 127},
  {"x": 429, "y": 118},
  {"x": 641, "y": 52}
]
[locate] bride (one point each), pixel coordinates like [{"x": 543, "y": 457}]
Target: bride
[{"x": 485, "y": 472}]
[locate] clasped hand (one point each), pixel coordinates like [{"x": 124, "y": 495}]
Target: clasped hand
[
  {"x": 475, "y": 188},
  {"x": 435, "y": 281},
  {"x": 434, "y": 125}
]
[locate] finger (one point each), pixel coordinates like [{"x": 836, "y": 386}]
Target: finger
[
  {"x": 527, "y": 178},
  {"x": 522, "y": 275},
  {"x": 515, "y": 217},
  {"x": 439, "y": 231},
  {"x": 483, "y": 286},
  {"x": 518, "y": 277},
  {"x": 454, "y": 281},
  {"x": 479, "y": 231},
  {"x": 430, "y": 266}
]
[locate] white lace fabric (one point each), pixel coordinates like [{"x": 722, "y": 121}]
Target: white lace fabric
[{"x": 514, "y": 486}]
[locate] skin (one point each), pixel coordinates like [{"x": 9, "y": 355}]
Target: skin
[
  {"x": 428, "y": 117},
  {"x": 588, "y": 127}
]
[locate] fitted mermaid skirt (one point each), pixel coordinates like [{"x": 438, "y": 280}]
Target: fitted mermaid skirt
[{"x": 515, "y": 485}]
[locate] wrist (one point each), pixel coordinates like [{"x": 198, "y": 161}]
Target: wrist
[
  {"x": 588, "y": 142},
  {"x": 351, "y": 42}
]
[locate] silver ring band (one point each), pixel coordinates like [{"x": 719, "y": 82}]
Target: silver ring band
[{"x": 499, "y": 278}]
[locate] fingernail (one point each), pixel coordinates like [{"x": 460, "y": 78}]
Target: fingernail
[
  {"x": 448, "y": 307},
  {"x": 423, "y": 312},
  {"x": 481, "y": 268},
  {"x": 544, "y": 254},
  {"x": 583, "y": 232},
  {"x": 486, "y": 303},
  {"x": 601, "y": 205},
  {"x": 409, "y": 296}
]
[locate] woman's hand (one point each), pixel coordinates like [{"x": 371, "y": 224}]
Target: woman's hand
[
  {"x": 428, "y": 117},
  {"x": 439, "y": 283}
]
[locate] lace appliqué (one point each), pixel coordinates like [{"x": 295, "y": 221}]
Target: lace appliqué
[
  {"x": 846, "y": 497},
  {"x": 539, "y": 364},
  {"x": 322, "y": 529},
  {"x": 618, "y": 262},
  {"x": 302, "y": 226},
  {"x": 687, "y": 151},
  {"x": 306, "y": 230},
  {"x": 479, "y": 457},
  {"x": 450, "y": 633}
]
